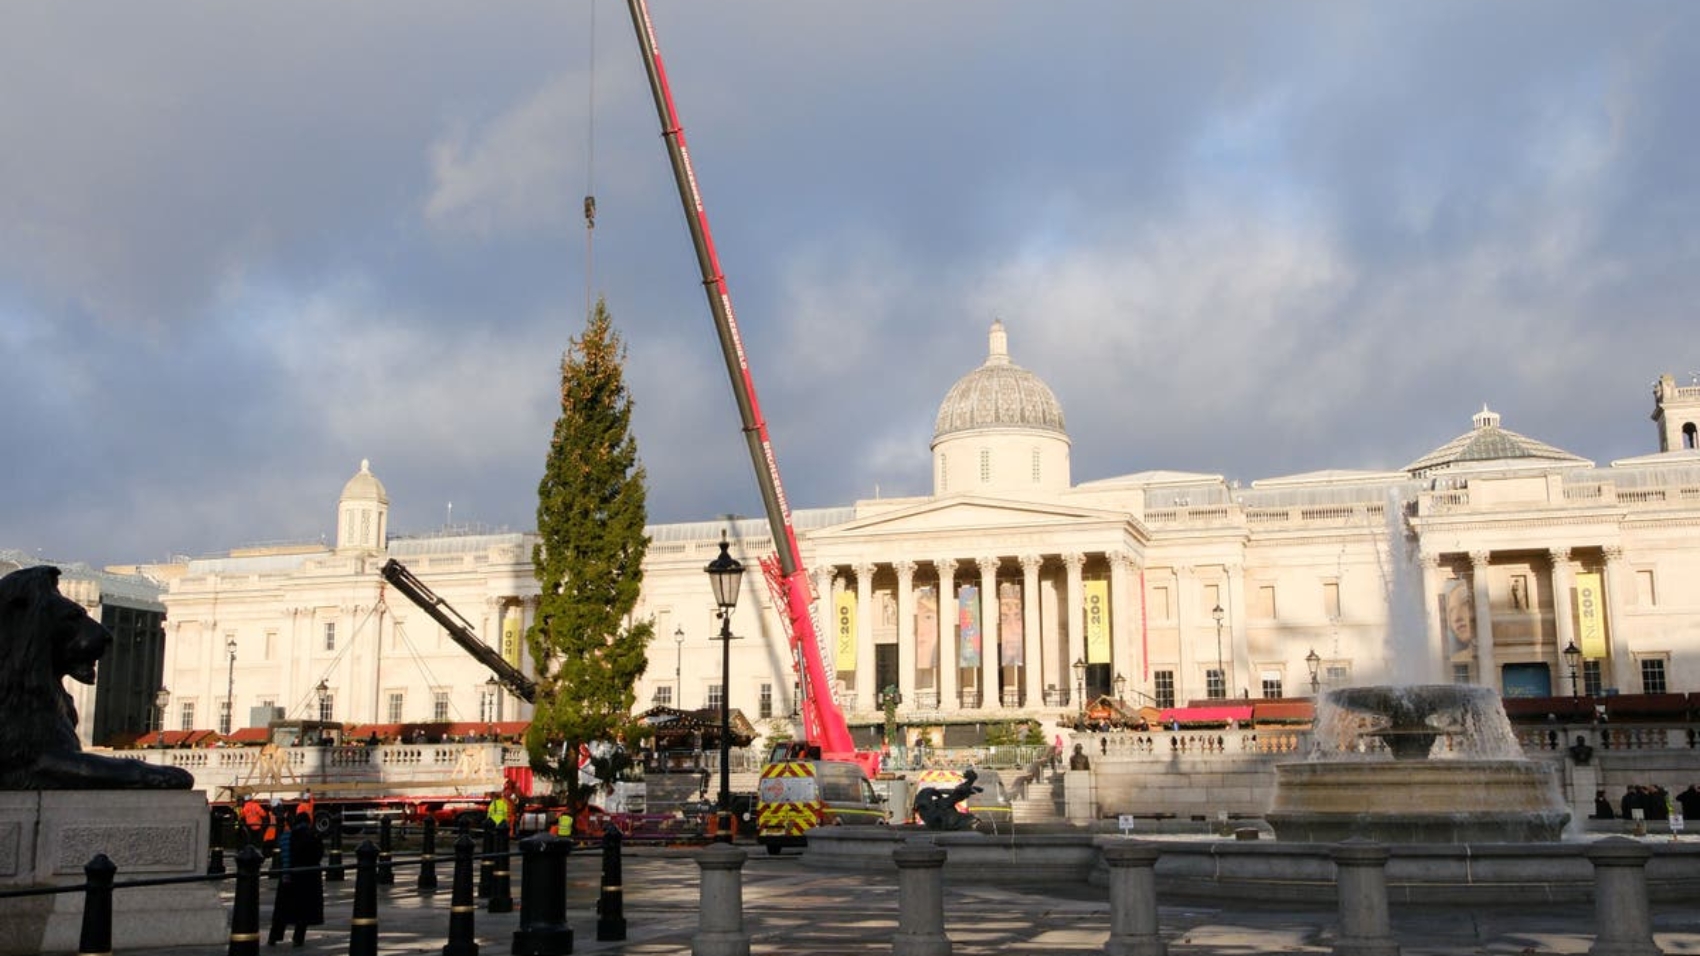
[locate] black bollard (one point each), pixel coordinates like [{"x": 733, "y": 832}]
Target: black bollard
[
  {"x": 462, "y": 905},
  {"x": 96, "y": 939},
  {"x": 611, "y": 906},
  {"x": 543, "y": 929},
  {"x": 363, "y": 925},
  {"x": 334, "y": 873},
  {"x": 427, "y": 858},
  {"x": 386, "y": 864},
  {"x": 245, "y": 908},
  {"x": 501, "y": 883},
  {"x": 215, "y": 861},
  {"x": 487, "y": 862}
]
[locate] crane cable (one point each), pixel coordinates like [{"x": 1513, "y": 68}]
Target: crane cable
[{"x": 590, "y": 172}]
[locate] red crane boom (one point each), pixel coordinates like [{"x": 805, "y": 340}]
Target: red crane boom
[{"x": 823, "y": 722}]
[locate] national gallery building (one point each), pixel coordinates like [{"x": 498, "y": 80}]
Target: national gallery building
[{"x": 1012, "y": 591}]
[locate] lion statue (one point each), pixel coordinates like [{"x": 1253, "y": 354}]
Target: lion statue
[{"x": 45, "y": 637}]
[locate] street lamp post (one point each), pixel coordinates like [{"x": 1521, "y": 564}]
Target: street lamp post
[
  {"x": 229, "y": 688},
  {"x": 679, "y": 666},
  {"x": 724, "y": 575},
  {"x": 1221, "y": 672},
  {"x": 1314, "y": 662},
  {"x": 161, "y": 700},
  {"x": 323, "y": 691},
  {"x": 1080, "y": 684},
  {"x": 1573, "y": 658},
  {"x": 1121, "y": 687},
  {"x": 491, "y": 689}
]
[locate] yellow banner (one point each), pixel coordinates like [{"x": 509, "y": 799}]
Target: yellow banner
[
  {"x": 1591, "y": 616},
  {"x": 511, "y": 639},
  {"x": 845, "y": 633},
  {"x": 1097, "y": 622}
]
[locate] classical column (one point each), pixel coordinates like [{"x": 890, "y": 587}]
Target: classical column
[
  {"x": 1563, "y": 580},
  {"x": 866, "y": 675},
  {"x": 1239, "y": 652},
  {"x": 1436, "y": 630},
  {"x": 1184, "y": 601},
  {"x": 1075, "y": 563},
  {"x": 1623, "y": 673},
  {"x": 1487, "y": 673},
  {"x": 1032, "y": 668},
  {"x": 1122, "y": 616},
  {"x": 947, "y": 634},
  {"x": 989, "y": 656},
  {"x": 905, "y": 629}
]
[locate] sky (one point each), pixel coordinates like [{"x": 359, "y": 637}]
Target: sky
[{"x": 245, "y": 246}]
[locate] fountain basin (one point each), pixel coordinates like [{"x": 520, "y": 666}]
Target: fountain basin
[{"x": 1428, "y": 801}]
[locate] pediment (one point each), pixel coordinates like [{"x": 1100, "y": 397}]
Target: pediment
[{"x": 968, "y": 514}]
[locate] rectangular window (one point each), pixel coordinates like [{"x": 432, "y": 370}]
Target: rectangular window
[
  {"x": 224, "y": 716},
  {"x": 396, "y": 699},
  {"x": 1214, "y": 686},
  {"x": 1331, "y": 600},
  {"x": 1271, "y": 685},
  {"x": 715, "y": 695},
  {"x": 765, "y": 706},
  {"x": 1265, "y": 602},
  {"x": 327, "y": 706},
  {"x": 1336, "y": 675},
  {"x": 1644, "y": 595},
  {"x": 1163, "y": 683},
  {"x": 330, "y": 635},
  {"x": 1591, "y": 679},
  {"x": 663, "y": 696},
  {"x": 1035, "y": 466},
  {"x": 1461, "y": 674},
  {"x": 1652, "y": 675},
  {"x": 186, "y": 716},
  {"x": 439, "y": 705},
  {"x": 1160, "y": 610},
  {"x": 271, "y": 645},
  {"x": 985, "y": 465}
]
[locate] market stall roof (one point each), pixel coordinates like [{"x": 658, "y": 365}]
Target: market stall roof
[
  {"x": 179, "y": 738},
  {"x": 1283, "y": 710},
  {"x": 674, "y": 727},
  {"x": 1207, "y": 715}
]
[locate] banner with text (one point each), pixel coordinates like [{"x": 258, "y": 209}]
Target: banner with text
[
  {"x": 511, "y": 642},
  {"x": 844, "y": 631},
  {"x": 1097, "y": 622},
  {"x": 968, "y": 619},
  {"x": 1591, "y": 616}
]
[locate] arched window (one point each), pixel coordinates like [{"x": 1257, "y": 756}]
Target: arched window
[{"x": 1689, "y": 437}]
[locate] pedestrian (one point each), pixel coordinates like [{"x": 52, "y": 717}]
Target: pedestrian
[
  {"x": 1602, "y": 806},
  {"x": 301, "y": 888},
  {"x": 307, "y": 806},
  {"x": 274, "y": 820},
  {"x": 253, "y": 823},
  {"x": 497, "y": 812}
]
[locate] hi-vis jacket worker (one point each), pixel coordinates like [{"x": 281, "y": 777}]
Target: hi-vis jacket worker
[
  {"x": 564, "y": 824},
  {"x": 497, "y": 812}
]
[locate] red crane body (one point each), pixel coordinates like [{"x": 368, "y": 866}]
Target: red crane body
[{"x": 823, "y": 722}]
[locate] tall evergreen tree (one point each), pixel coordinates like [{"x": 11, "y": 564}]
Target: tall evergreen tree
[{"x": 587, "y": 649}]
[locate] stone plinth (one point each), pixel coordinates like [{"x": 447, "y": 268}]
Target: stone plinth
[{"x": 46, "y": 837}]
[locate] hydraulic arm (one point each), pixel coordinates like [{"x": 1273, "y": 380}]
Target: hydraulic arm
[{"x": 510, "y": 676}]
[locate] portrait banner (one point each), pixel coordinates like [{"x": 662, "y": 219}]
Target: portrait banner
[
  {"x": 1590, "y": 616},
  {"x": 844, "y": 631},
  {"x": 1458, "y": 619},
  {"x": 926, "y": 628},
  {"x": 1097, "y": 622},
  {"x": 1009, "y": 625},
  {"x": 968, "y": 620}
]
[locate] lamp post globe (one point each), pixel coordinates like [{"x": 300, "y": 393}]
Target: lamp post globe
[{"x": 724, "y": 575}]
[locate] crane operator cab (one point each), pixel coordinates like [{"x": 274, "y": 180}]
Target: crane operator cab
[{"x": 797, "y": 795}]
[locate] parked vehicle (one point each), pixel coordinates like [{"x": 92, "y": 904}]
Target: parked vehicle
[{"x": 795, "y": 796}]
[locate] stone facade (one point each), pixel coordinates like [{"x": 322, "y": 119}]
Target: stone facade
[{"x": 1163, "y": 586}]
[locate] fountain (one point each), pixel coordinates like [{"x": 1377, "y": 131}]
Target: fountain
[{"x": 1451, "y": 772}]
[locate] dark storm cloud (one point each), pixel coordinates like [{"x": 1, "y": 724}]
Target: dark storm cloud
[{"x": 249, "y": 245}]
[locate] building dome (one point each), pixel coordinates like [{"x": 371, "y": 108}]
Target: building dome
[
  {"x": 365, "y": 486},
  {"x": 999, "y": 394}
]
